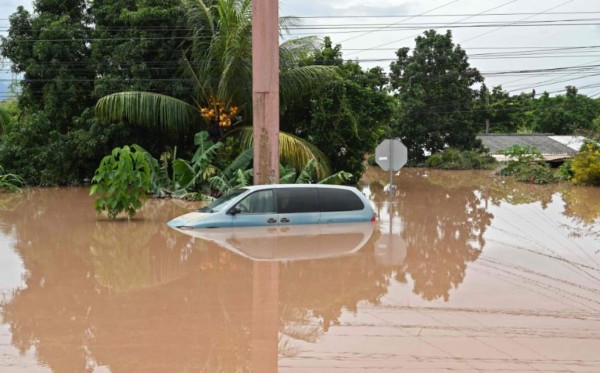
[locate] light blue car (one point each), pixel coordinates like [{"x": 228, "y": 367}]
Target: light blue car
[{"x": 280, "y": 204}]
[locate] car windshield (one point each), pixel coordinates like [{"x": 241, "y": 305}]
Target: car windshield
[{"x": 217, "y": 205}]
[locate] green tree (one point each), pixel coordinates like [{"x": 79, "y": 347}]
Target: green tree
[
  {"x": 565, "y": 114},
  {"x": 218, "y": 66},
  {"x": 137, "y": 46},
  {"x": 499, "y": 108},
  {"x": 433, "y": 86},
  {"x": 523, "y": 111},
  {"x": 346, "y": 117},
  {"x": 42, "y": 155},
  {"x": 50, "y": 49},
  {"x": 52, "y": 139}
]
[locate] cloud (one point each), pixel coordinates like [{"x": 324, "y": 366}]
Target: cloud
[
  {"x": 341, "y": 8},
  {"x": 8, "y": 7},
  {"x": 375, "y": 10}
]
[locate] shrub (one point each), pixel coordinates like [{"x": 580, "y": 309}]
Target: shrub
[
  {"x": 454, "y": 159},
  {"x": 586, "y": 165},
  {"x": 535, "y": 173},
  {"x": 565, "y": 171},
  {"x": 519, "y": 156},
  {"x": 123, "y": 179},
  {"x": 526, "y": 164},
  {"x": 10, "y": 182},
  {"x": 371, "y": 160}
]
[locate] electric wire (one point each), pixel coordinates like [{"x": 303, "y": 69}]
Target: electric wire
[
  {"x": 463, "y": 19},
  {"x": 409, "y": 18},
  {"x": 531, "y": 16}
]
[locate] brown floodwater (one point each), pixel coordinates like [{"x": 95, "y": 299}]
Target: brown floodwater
[{"x": 464, "y": 271}]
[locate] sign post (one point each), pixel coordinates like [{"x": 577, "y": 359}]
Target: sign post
[{"x": 391, "y": 155}]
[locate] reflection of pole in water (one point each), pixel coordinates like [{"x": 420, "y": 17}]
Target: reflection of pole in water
[
  {"x": 391, "y": 204},
  {"x": 391, "y": 176},
  {"x": 390, "y": 249},
  {"x": 265, "y": 316}
]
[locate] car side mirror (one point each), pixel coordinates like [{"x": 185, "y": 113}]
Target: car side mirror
[{"x": 234, "y": 210}]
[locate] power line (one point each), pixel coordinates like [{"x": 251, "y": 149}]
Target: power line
[
  {"x": 559, "y": 69},
  {"x": 426, "y": 107},
  {"x": 581, "y": 64},
  {"x": 549, "y": 82},
  {"x": 332, "y": 26},
  {"x": 442, "y": 15},
  {"x": 422, "y": 15},
  {"x": 428, "y": 11},
  {"x": 409, "y": 37},
  {"x": 326, "y": 31},
  {"x": 531, "y": 16},
  {"x": 164, "y": 64},
  {"x": 516, "y": 49}
]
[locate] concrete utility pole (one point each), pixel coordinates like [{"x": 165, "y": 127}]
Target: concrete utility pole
[
  {"x": 265, "y": 90},
  {"x": 265, "y": 106}
]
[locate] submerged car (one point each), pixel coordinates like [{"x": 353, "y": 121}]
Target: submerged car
[{"x": 280, "y": 204}]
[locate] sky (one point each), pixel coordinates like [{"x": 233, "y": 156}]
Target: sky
[{"x": 520, "y": 58}]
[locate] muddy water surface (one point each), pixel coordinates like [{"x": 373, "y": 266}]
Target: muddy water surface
[{"x": 464, "y": 271}]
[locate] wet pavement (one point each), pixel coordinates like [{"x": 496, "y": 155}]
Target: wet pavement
[{"x": 465, "y": 271}]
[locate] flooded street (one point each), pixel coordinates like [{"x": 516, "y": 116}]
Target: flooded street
[{"x": 464, "y": 271}]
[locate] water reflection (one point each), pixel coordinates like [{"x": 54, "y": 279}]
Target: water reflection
[
  {"x": 138, "y": 258},
  {"x": 139, "y": 296},
  {"x": 441, "y": 228},
  {"x": 582, "y": 204},
  {"x": 288, "y": 243}
]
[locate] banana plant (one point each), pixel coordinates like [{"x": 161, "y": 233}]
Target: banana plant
[
  {"x": 160, "y": 183},
  {"x": 309, "y": 175},
  {"x": 236, "y": 175},
  {"x": 195, "y": 174}
]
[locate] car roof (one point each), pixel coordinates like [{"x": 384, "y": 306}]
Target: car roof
[{"x": 278, "y": 186}]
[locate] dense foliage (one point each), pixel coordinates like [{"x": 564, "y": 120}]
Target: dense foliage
[
  {"x": 526, "y": 164},
  {"x": 4, "y": 118},
  {"x": 199, "y": 178},
  {"x": 97, "y": 75},
  {"x": 454, "y": 159},
  {"x": 569, "y": 113},
  {"x": 55, "y": 138}
]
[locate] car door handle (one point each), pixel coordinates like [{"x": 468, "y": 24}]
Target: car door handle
[
  {"x": 271, "y": 220},
  {"x": 284, "y": 220}
]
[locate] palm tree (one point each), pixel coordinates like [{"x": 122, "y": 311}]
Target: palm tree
[{"x": 219, "y": 64}]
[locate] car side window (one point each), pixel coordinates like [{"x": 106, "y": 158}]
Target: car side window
[
  {"x": 295, "y": 200},
  {"x": 260, "y": 202},
  {"x": 337, "y": 200}
]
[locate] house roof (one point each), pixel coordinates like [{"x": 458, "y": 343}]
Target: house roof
[
  {"x": 545, "y": 143},
  {"x": 573, "y": 142}
]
